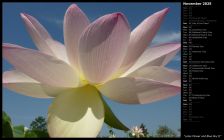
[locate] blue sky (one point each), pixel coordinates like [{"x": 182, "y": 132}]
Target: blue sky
[{"x": 23, "y": 109}]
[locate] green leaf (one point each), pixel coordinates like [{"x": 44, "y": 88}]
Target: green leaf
[
  {"x": 39, "y": 123},
  {"x": 18, "y": 131},
  {"x": 111, "y": 119},
  {"x": 6, "y": 126},
  {"x": 36, "y": 134},
  {"x": 6, "y": 117},
  {"x": 30, "y": 134},
  {"x": 41, "y": 133},
  {"x": 7, "y": 130}
]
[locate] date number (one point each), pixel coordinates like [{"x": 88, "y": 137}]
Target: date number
[{"x": 207, "y": 3}]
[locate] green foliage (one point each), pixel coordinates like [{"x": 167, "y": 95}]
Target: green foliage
[
  {"x": 39, "y": 124},
  {"x": 18, "y": 131},
  {"x": 10, "y": 131},
  {"x": 6, "y": 117},
  {"x": 6, "y": 126},
  {"x": 145, "y": 131},
  {"x": 39, "y": 133},
  {"x": 30, "y": 134},
  {"x": 111, "y": 119},
  {"x": 38, "y": 128},
  {"x": 164, "y": 131}
]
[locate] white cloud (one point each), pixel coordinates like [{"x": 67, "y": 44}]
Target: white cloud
[
  {"x": 58, "y": 21},
  {"x": 54, "y": 20},
  {"x": 166, "y": 38}
]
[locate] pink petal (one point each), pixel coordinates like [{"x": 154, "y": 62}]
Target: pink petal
[
  {"x": 75, "y": 21},
  {"x": 23, "y": 84},
  {"x": 141, "y": 37},
  {"x": 137, "y": 90},
  {"x": 59, "y": 51},
  {"x": 176, "y": 83},
  {"x": 155, "y": 56},
  {"x": 157, "y": 73},
  {"x": 41, "y": 67},
  {"x": 102, "y": 47},
  {"x": 42, "y": 38}
]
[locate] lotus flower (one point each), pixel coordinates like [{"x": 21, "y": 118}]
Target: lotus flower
[
  {"x": 99, "y": 58},
  {"x": 137, "y": 132}
]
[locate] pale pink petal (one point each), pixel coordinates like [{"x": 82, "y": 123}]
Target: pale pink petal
[
  {"x": 75, "y": 21},
  {"x": 155, "y": 56},
  {"x": 102, "y": 47},
  {"x": 157, "y": 73},
  {"x": 137, "y": 90},
  {"x": 176, "y": 83},
  {"x": 41, "y": 37},
  {"x": 25, "y": 85},
  {"x": 59, "y": 51},
  {"x": 141, "y": 37},
  {"x": 41, "y": 67}
]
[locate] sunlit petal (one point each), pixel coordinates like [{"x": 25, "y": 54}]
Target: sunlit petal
[
  {"x": 41, "y": 67},
  {"x": 23, "y": 84},
  {"x": 59, "y": 51},
  {"x": 138, "y": 90},
  {"x": 103, "y": 46},
  {"x": 78, "y": 113},
  {"x": 41, "y": 37},
  {"x": 141, "y": 37},
  {"x": 157, "y": 73},
  {"x": 155, "y": 56},
  {"x": 75, "y": 21}
]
